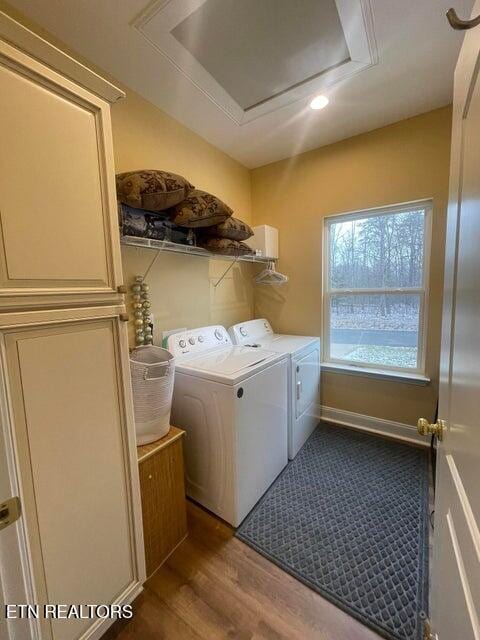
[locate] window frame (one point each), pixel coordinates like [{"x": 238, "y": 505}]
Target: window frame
[{"x": 423, "y": 291}]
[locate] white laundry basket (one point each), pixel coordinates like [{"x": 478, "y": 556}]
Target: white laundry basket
[{"x": 152, "y": 370}]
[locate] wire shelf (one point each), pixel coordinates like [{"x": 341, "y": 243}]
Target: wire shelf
[{"x": 165, "y": 245}]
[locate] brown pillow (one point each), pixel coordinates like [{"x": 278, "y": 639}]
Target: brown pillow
[
  {"x": 152, "y": 189},
  {"x": 232, "y": 228},
  {"x": 200, "y": 209},
  {"x": 226, "y": 246}
]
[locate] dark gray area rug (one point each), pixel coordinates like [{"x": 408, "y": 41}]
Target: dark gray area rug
[{"x": 349, "y": 518}]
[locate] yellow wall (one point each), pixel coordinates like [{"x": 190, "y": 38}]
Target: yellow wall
[
  {"x": 405, "y": 161},
  {"x": 182, "y": 288}
]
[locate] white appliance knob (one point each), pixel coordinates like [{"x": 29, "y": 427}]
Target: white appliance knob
[
  {"x": 200, "y": 338},
  {"x": 265, "y": 324},
  {"x": 182, "y": 344},
  {"x": 243, "y": 331},
  {"x": 218, "y": 334},
  {"x": 191, "y": 340}
]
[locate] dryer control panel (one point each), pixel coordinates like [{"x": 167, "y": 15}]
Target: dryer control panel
[
  {"x": 198, "y": 340},
  {"x": 251, "y": 330}
]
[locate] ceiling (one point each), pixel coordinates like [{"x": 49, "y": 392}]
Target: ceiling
[{"x": 241, "y": 73}]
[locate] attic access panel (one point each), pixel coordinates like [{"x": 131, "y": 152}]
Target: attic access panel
[
  {"x": 256, "y": 50},
  {"x": 251, "y": 57}
]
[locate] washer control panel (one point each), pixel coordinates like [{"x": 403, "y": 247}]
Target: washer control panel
[{"x": 198, "y": 340}]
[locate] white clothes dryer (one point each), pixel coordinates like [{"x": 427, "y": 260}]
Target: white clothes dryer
[{"x": 303, "y": 374}]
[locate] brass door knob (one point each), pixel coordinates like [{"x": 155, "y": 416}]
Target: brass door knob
[{"x": 425, "y": 428}]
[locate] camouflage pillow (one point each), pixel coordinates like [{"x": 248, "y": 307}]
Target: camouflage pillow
[
  {"x": 152, "y": 189},
  {"x": 232, "y": 228},
  {"x": 226, "y": 246},
  {"x": 200, "y": 209}
]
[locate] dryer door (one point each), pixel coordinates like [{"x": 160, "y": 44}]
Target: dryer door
[{"x": 307, "y": 378}]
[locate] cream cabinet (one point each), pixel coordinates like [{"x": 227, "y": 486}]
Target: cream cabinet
[
  {"x": 58, "y": 216},
  {"x": 68, "y": 380},
  {"x": 65, "y": 398}
]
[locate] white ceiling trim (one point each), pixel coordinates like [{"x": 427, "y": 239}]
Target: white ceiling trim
[{"x": 162, "y": 16}]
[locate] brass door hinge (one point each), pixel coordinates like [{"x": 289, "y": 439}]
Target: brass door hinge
[{"x": 10, "y": 511}]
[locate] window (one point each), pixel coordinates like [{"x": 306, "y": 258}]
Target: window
[{"x": 375, "y": 288}]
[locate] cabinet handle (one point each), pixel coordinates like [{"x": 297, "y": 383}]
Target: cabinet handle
[
  {"x": 299, "y": 389},
  {"x": 123, "y": 317},
  {"x": 121, "y": 288}
]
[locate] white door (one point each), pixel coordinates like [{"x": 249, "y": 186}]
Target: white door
[{"x": 455, "y": 593}]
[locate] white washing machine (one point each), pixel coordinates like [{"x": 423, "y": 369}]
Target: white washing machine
[
  {"x": 232, "y": 403},
  {"x": 303, "y": 374}
]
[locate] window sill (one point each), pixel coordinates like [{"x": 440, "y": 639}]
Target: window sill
[{"x": 379, "y": 374}]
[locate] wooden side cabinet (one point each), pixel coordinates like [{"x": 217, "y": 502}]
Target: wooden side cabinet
[{"x": 163, "y": 497}]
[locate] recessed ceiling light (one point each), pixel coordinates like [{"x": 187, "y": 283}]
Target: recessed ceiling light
[{"x": 319, "y": 102}]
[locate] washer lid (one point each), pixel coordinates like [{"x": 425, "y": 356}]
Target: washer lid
[
  {"x": 231, "y": 360},
  {"x": 229, "y": 364}
]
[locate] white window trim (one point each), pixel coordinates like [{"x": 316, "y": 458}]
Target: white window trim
[
  {"x": 379, "y": 374},
  {"x": 406, "y": 374}
]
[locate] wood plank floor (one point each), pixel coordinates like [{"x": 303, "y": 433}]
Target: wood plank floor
[{"x": 214, "y": 587}]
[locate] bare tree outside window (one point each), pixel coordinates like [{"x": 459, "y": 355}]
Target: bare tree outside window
[{"x": 375, "y": 287}]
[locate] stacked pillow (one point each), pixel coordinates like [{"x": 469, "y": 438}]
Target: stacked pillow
[
  {"x": 151, "y": 189},
  {"x": 227, "y": 237},
  {"x": 200, "y": 209},
  {"x": 225, "y": 246},
  {"x": 232, "y": 228},
  {"x": 153, "y": 192}
]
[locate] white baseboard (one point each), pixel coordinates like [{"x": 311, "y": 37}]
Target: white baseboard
[{"x": 388, "y": 428}]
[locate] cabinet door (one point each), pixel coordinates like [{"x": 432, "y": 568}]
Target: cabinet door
[
  {"x": 76, "y": 453},
  {"x": 58, "y": 219},
  {"x": 163, "y": 504}
]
